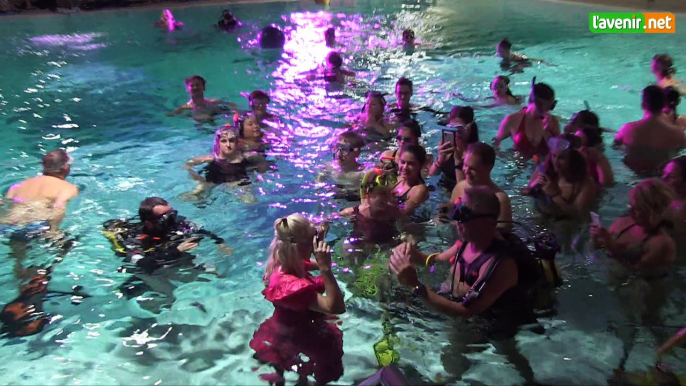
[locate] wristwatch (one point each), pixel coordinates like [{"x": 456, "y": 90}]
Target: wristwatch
[{"x": 420, "y": 291}]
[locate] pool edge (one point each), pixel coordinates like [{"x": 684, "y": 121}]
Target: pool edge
[
  {"x": 679, "y": 8},
  {"x": 143, "y": 7}
]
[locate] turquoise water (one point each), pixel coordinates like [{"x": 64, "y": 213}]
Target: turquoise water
[{"x": 99, "y": 84}]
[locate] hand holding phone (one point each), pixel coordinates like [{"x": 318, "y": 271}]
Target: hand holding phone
[
  {"x": 595, "y": 218},
  {"x": 448, "y": 136}
]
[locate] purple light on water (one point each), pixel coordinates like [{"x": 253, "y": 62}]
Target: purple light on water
[{"x": 77, "y": 41}]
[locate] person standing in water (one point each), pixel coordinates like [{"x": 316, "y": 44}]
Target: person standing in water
[
  {"x": 662, "y": 67},
  {"x": 201, "y": 107},
  {"x": 167, "y": 21}
]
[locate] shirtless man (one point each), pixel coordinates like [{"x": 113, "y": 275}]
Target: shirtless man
[
  {"x": 201, "y": 107},
  {"x": 652, "y": 132},
  {"x": 37, "y": 205},
  {"x": 478, "y": 163}
]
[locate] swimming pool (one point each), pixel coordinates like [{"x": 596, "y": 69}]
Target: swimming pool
[{"x": 100, "y": 83}]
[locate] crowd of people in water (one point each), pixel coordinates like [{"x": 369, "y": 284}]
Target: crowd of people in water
[{"x": 494, "y": 273}]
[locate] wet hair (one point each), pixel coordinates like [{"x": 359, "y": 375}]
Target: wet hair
[
  {"x": 483, "y": 199},
  {"x": 194, "y": 77},
  {"x": 466, "y": 115},
  {"x": 216, "y": 148},
  {"x": 577, "y": 170},
  {"x": 376, "y": 95},
  {"x": 54, "y": 161},
  {"x": 146, "y": 206},
  {"x": 681, "y": 163},
  {"x": 484, "y": 151},
  {"x": 409, "y": 33},
  {"x": 259, "y": 94},
  {"x": 666, "y": 63},
  {"x": 330, "y": 32},
  {"x": 403, "y": 81},
  {"x": 653, "y": 99},
  {"x": 335, "y": 59},
  {"x": 543, "y": 91},
  {"x": 586, "y": 118},
  {"x": 289, "y": 232},
  {"x": 505, "y": 79},
  {"x": 417, "y": 151},
  {"x": 594, "y": 135},
  {"x": 652, "y": 196},
  {"x": 413, "y": 126},
  {"x": 271, "y": 37},
  {"x": 672, "y": 99},
  {"x": 505, "y": 43},
  {"x": 239, "y": 123},
  {"x": 352, "y": 138}
]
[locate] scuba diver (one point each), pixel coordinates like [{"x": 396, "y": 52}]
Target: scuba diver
[
  {"x": 228, "y": 22},
  {"x": 157, "y": 245}
]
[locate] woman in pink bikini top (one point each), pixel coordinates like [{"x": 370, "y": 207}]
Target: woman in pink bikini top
[{"x": 531, "y": 127}]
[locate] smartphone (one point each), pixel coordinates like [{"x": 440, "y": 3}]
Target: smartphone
[
  {"x": 596, "y": 219},
  {"x": 448, "y": 136}
]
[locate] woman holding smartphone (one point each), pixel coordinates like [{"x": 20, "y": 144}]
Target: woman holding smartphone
[{"x": 460, "y": 132}]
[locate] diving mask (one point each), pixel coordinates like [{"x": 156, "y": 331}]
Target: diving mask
[{"x": 463, "y": 214}]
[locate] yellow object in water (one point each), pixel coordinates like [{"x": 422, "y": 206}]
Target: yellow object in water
[{"x": 321, "y": 1}]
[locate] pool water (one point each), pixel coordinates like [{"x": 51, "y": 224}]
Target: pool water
[{"x": 99, "y": 84}]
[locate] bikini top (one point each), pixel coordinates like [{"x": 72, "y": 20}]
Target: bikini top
[
  {"x": 633, "y": 255},
  {"x": 524, "y": 145}
]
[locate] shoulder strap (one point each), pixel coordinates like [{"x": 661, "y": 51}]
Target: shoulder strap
[
  {"x": 457, "y": 258},
  {"x": 624, "y": 230}
]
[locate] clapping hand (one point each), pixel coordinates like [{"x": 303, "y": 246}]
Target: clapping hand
[{"x": 401, "y": 266}]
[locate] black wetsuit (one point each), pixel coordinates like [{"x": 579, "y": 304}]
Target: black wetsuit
[{"x": 149, "y": 252}]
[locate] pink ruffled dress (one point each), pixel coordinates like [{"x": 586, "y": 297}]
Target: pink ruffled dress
[{"x": 295, "y": 338}]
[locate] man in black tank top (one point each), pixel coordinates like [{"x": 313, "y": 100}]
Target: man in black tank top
[{"x": 482, "y": 272}]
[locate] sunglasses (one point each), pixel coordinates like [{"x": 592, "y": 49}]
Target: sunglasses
[
  {"x": 168, "y": 219},
  {"x": 464, "y": 214},
  {"x": 404, "y": 139}
]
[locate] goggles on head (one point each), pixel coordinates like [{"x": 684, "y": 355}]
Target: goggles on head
[
  {"x": 382, "y": 179},
  {"x": 463, "y": 214},
  {"x": 562, "y": 143},
  {"x": 168, "y": 219}
]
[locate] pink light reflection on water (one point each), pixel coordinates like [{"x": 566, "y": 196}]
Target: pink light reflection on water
[{"x": 84, "y": 42}]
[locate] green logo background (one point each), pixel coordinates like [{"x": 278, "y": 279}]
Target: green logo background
[{"x": 615, "y": 17}]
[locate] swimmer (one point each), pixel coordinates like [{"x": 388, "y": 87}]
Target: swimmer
[
  {"x": 562, "y": 183},
  {"x": 228, "y": 22},
  {"x": 640, "y": 240},
  {"x": 513, "y": 61},
  {"x": 411, "y": 190},
  {"x": 502, "y": 93},
  {"x": 599, "y": 168},
  {"x": 201, "y": 107},
  {"x": 479, "y": 161},
  {"x": 38, "y": 205},
  {"x": 531, "y": 127},
  {"x": 226, "y": 165},
  {"x": 410, "y": 42},
  {"x": 670, "y": 115},
  {"x": 409, "y": 133},
  {"x": 271, "y": 37},
  {"x": 345, "y": 170},
  {"x": 662, "y": 67},
  {"x": 404, "y": 90},
  {"x": 334, "y": 69},
  {"x": 674, "y": 174},
  {"x": 330, "y": 37},
  {"x": 652, "y": 132},
  {"x": 167, "y": 21},
  {"x": 258, "y": 101},
  {"x": 372, "y": 119},
  {"x": 250, "y": 135}
]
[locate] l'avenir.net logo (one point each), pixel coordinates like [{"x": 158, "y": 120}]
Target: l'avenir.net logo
[{"x": 632, "y": 23}]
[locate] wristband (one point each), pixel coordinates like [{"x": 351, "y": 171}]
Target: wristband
[{"x": 430, "y": 259}]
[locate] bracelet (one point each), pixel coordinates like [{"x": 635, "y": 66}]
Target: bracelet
[{"x": 430, "y": 257}]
